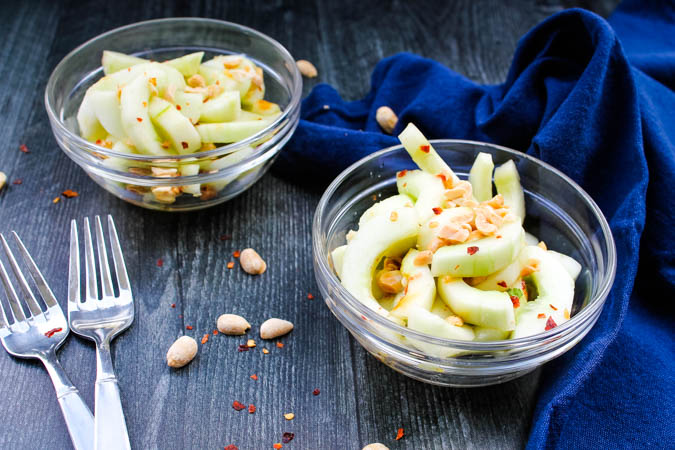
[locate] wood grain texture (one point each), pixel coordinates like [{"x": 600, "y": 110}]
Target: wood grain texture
[{"x": 361, "y": 400}]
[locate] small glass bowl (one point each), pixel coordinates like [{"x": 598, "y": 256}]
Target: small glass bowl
[
  {"x": 161, "y": 40},
  {"x": 559, "y": 212}
]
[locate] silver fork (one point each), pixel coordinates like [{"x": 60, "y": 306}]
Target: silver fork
[
  {"x": 38, "y": 335},
  {"x": 101, "y": 321}
]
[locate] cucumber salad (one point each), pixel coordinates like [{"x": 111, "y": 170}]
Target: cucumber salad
[
  {"x": 177, "y": 107},
  {"x": 446, "y": 257}
]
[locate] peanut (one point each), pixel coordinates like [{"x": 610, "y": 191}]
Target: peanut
[
  {"x": 307, "y": 69},
  {"x": 232, "y": 324},
  {"x": 423, "y": 258},
  {"x": 455, "y": 320},
  {"x": 196, "y": 80},
  {"x": 375, "y": 446},
  {"x": 3, "y": 180},
  {"x": 273, "y": 328},
  {"x": 181, "y": 352},
  {"x": 251, "y": 262},
  {"x": 386, "y": 118},
  {"x": 390, "y": 281},
  {"x": 165, "y": 194}
]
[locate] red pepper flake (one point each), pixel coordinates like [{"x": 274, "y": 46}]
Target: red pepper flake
[
  {"x": 310, "y": 296},
  {"x": 457, "y": 267},
  {"x": 139, "y": 119},
  {"x": 23, "y": 148},
  {"x": 69, "y": 193},
  {"x": 184, "y": 144},
  {"x": 205, "y": 339},
  {"x": 56, "y": 199},
  {"x": 277, "y": 446},
  {"x": 188, "y": 327},
  {"x": 238, "y": 406},
  {"x": 225, "y": 237},
  {"x": 437, "y": 211},
  {"x": 178, "y": 107},
  {"x": 231, "y": 447},
  {"x": 550, "y": 323},
  {"x": 173, "y": 305},
  {"x": 472, "y": 250},
  {"x": 287, "y": 437},
  {"x": 502, "y": 284},
  {"x": 254, "y": 377},
  {"x": 553, "y": 307},
  {"x": 17, "y": 181},
  {"x": 425, "y": 148},
  {"x": 499, "y": 236},
  {"x": 402, "y": 173},
  {"x": 160, "y": 262},
  {"x": 442, "y": 177},
  {"x": 316, "y": 391},
  {"x": 280, "y": 345},
  {"x": 515, "y": 300},
  {"x": 145, "y": 104},
  {"x": 541, "y": 316},
  {"x": 215, "y": 332},
  {"x": 52, "y": 332},
  {"x": 230, "y": 265},
  {"x": 236, "y": 253},
  {"x": 251, "y": 409},
  {"x": 242, "y": 348},
  {"x": 399, "y": 434},
  {"x": 153, "y": 80}
]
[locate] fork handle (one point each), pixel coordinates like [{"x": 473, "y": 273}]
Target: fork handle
[
  {"x": 110, "y": 428},
  {"x": 78, "y": 417}
]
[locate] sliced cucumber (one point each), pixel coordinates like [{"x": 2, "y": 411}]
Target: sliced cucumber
[
  {"x": 135, "y": 118},
  {"x": 224, "y": 108},
  {"x": 423, "y": 153},
  {"x": 480, "y": 177},
  {"x": 175, "y": 126},
  {"x": 569, "y": 263},
  {"x": 264, "y": 108},
  {"x": 376, "y": 239},
  {"x": 430, "y": 229},
  {"x": 426, "y": 189},
  {"x": 385, "y": 207},
  {"x": 190, "y": 105},
  {"x": 90, "y": 128},
  {"x": 508, "y": 276},
  {"x": 227, "y": 161},
  {"x": 254, "y": 95},
  {"x": 106, "y": 106},
  {"x": 483, "y": 334},
  {"x": 493, "y": 253},
  {"x": 114, "y": 61},
  {"x": 337, "y": 255},
  {"x": 228, "y": 132},
  {"x": 421, "y": 289},
  {"x": 187, "y": 65},
  {"x": 426, "y": 322},
  {"x": 507, "y": 182},
  {"x": 489, "y": 309},
  {"x": 440, "y": 308},
  {"x": 531, "y": 239},
  {"x": 187, "y": 170}
]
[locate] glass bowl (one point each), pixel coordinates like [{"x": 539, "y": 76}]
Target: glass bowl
[
  {"x": 559, "y": 212},
  {"x": 243, "y": 163}
]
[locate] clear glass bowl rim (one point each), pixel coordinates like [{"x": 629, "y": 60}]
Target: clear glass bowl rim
[
  {"x": 293, "y": 105},
  {"x": 321, "y": 257}
]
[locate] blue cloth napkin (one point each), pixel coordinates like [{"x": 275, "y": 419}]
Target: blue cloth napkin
[{"x": 595, "y": 99}]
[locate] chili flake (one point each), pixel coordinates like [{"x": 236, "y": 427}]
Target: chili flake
[
  {"x": 205, "y": 339},
  {"x": 442, "y": 177},
  {"x": 437, "y": 211},
  {"x": 265, "y": 351},
  {"x": 23, "y": 148},
  {"x": 230, "y": 265},
  {"x": 242, "y": 348},
  {"x": 399, "y": 434},
  {"x": 553, "y": 307},
  {"x": 188, "y": 327},
  {"x": 425, "y": 148},
  {"x": 153, "y": 81},
  {"x": 69, "y": 193},
  {"x": 280, "y": 345},
  {"x": 56, "y": 199},
  {"x": 310, "y": 296},
  {"x": 251, "y": 409},
  {"x": 184, "y": 144},
  {"x": 160, "y": 262},
  {"x": 231, "y": 447},
  {"x": 145, "y": 104},
  {"x": 236, "y": 253},
  {"x": 287, "y": 437},
  {"x": 316, "y": 391},
  {"x": 254, "y": 377},
  {"x": 472, "y": 250},
  {"x": 502, "y": 284},
  {"x": 289, "y": 416},
  {"x": 139, "y": 119},
  {"x": 515, "y": 300},
  {"x": 541, "y": 316},
  {"x": 215, "y": 332},
  {"x": 52, "y": 332},
  {"x": 550, "y": 323},
  {"x": 402, "y": 173},
  {"x": 277, "y": 446},
  {"x": 238, "y": 406},
  {"x": 17, "y": 181},
  {"x": 178, "y": 107},
  {"x": 499, "y": 236},
  {"x": 173, "y": 305}
]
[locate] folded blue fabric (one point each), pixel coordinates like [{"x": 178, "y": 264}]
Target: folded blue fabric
[{"x": 596, "y": 100}]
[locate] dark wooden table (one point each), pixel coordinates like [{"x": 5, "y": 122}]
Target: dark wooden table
[{"x": 361, "y": 400}]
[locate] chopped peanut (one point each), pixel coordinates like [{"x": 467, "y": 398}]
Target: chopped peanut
[
  {"x": 455, "y": 320},
  {"x": 460, "y": 190},
  {"x": 196, "y": 80},
  {"x": 453, "y": 233},
  {"x": 531, "y": 266},
  {"x": 390, "y": 281},
  {"x": 392, "y": 264},
  {"x": 542, "y": 245},
  {"x": 164, "y": 172},
  {"x": 482, "y": 223},
  {"x": 165, "y": 194},
  {"x": 423, "y": 258}
]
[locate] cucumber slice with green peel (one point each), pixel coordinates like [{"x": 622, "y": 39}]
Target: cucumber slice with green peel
[
  {"x": 480, "y": 177},
  {"x": 264, "y": 108},
  {"x": 377, "y": 238},
  {"x": 187, "y": 65},
  {"x": 175, "y": 126},
  {"x": 508, "y": 276},
  {"x": 421, "y": 289},
  {"x": 106, "y": 106},
  {"x": 337, "y": 256},
  {"x": 428, "y": 234},
  {"x": 121, "y": 147},
  {"x": 555, "y": 297},
  {"x": 217, "y": 76},
  {"x": 90, "y": 128},
  {"x": 253, "y": 95},
  {"x": 508, "y": 185},
  {"x": 385, "y": 207},
  {"x": 224, "y": 108},
  {"x": 483, "y": 334},
  {"x": 569, "y": 263},
  {"x": 426, "y": 189},
  {"x": 388, "y": 302},
  {"x": 489, "y": 309},
  {"x": 248, "y": 115},
  {"x": 135, "y": 118},
  {"x": 114, "y": 61},
  {"x": 226, "y": 161},
  {"x": 426, "y": 322},
  {"x": 228, "y": 132},
  {"x": 482, "y": 257},
  {"x": 189, "y": 170},
  {"x": 190, "y": 104},
  {"x": 423, "y": 153},
  {"x": 441, "y": 309},
  {"x": 161, "y": 76}
]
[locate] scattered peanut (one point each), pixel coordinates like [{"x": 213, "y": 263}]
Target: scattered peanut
[
  {"x": 307, "y": 69},
  {"x": 196, "y": 80},
  {"x": 289, "y": 416},
  {"x": 375, "y": 446},
  {"x": 273, "y": 328},
  {"x": 390, "y": 281},
  {"x": 233, "y": 325},
  {"x": 455, "y": 320},
  {"x": 251, "y": 262},
  {"x": 165, "y": 194},
  {"x": 424, "y": 257},
  {"x": 386, "y": 118},
  {"x": 3, "y": 180},
  {"x": 181, "y": 352},
  {"x": 542, "y": 245}
]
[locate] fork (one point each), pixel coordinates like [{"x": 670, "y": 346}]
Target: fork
[
  {"x": 38, "y": 335},
  {"x": 101, "y": 321}
]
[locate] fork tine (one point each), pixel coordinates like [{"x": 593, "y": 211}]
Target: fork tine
[
  {"x": 74, "y": 269},
  {"x": 17, "y": 312},
  {"x": 23, "y": 284},
  {"x": 104, "y": 268},
  {"x": 91, "y": 291},
  {"x": 118, "y": 258},
  {"x": 40, "y": 282}
]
